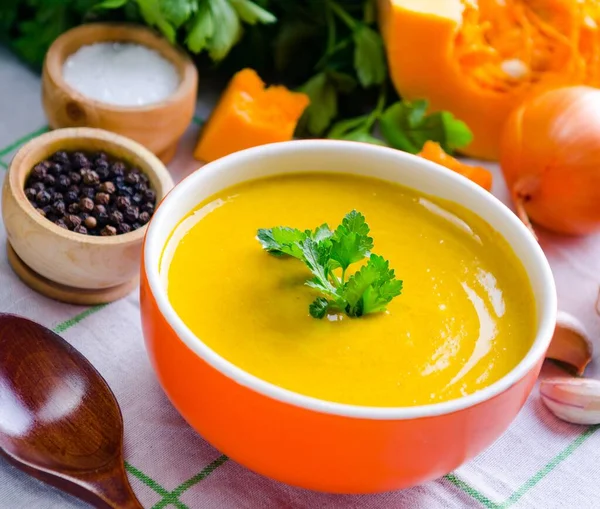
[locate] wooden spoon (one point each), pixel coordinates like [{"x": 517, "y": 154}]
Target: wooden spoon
[{"x": 59, "y": 420}]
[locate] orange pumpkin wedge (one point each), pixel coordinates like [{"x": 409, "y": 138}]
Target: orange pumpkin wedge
[
  {"x": 249, "y": 114},
  {"x": 433, "y": 152},
  {"x": 480, "y": 59}
]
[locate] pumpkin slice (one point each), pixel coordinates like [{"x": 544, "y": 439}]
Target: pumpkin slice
[
  {"x": 479, "y": 59},
  {"x": 248, "y": 115},
  {"x": 433, "y": 152}
]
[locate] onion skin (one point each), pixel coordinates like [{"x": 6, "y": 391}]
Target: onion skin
[{"x": 550, "y": 157}]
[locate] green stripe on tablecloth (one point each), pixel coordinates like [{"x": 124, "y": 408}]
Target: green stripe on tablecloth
[
  {"x": 148, "y": 481},
  {"x": 67, "y": 324},
  {"x": 472, "y": 492},
  {"x": 3, "y": 165},
  {"x": 173, "y": 497},
  {"x": 22, "y": 140},
  {"x": 206, "y": 471},
  {"x": 197, "y": 120},
  {"x": 550, "y": 466}
]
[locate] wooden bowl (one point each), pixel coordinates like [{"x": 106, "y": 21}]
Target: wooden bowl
[
  {"x": 157, "y": 126},
  {"x": 62, "y": 264}
]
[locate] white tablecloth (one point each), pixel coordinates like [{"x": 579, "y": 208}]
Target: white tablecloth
[{"x": 539, "y": 463}]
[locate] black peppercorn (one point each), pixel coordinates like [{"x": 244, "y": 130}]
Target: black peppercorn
[
  {"x": 81, "y": 229},
  {"x": 132, "y": 178},
  {"x": 115, "y": 217},
  {"x": 137, "y": 199},
  {"x": 150, "y": 195},
  {"x": 123, "y": 228},
  {"x": 90, "y": 222},
  {"x": 79, "y": 160},
  {"x": 108, "y": 231},
  {"x": 41, "y": 212},
  {"x": 147, "y": 207},
  {"x": 73, "y": 208},
  {"x": 71, "y": 196},
  {"x": 63, "y": 182},
  {"x": 136, "y": 226},
  {"x": 102, "y": 218},
  {"x": 38, "y": 172},
  {"x": 75, "y": 177},
  {"x": 73, "y": 221},
  {"x": 103, "y": 173},
  {"x": 107, "y": 187},
  {"x": 58, "y": 207},
  {"x": 144, "y": 178},
  {"x": 61, "y": 157},
  {"x": 88, "y": 192},
  {"x": 86, "y": 204},
  {"x": 122, "y": 202},
  {"x": 61, "y": 223},
  {"x": 49, "y": 180},
  {"x": 38, "y": 186},
  {"x": 30, "y": 192},
  {"x": 55, "y": 169},
  {"x": 98, "y": 210},
  {"x": 43, "y": 198},
  {"x": 131, "y": 214},
  {"x": 91, "y": 178},
  {"x": 124, "y": 190},
  {"x": 100, "y": 156},
  {"x": 102, "y": 198},
  {"x": 144, "y": 217},
  {"x": 118, "y": 169}
]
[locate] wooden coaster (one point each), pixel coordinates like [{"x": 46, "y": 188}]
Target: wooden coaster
[{"x": 64, "y": 293}]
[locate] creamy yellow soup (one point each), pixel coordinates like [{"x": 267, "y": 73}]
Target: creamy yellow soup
[{"x": 465, "y": 317}]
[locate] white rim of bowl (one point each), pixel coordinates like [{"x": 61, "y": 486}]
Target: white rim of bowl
[{"x": 153, "y": 249}]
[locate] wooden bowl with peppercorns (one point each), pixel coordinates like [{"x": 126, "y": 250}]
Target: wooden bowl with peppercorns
[{"x": 75, "y": 206}]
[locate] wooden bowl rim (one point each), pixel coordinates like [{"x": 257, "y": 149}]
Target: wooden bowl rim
[
  {"x": 82, "y": 133},
  {"x": 56, "y": 56}
]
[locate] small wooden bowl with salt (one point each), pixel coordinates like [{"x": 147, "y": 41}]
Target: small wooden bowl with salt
[
  {"x": 63, "y": 264},
  {"x": 123, "y": 78}
]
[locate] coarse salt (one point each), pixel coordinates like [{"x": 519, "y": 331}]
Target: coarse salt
[{"x": 124, "y": 74}]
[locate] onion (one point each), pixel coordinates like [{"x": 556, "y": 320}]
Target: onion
[{"x": 550, "y": 157}]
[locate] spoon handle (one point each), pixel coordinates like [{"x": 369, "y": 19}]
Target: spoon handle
[{"x": 110, "y": 491}]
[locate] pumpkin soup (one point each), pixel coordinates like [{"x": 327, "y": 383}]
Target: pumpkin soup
[{"x": 465, "y": 316}]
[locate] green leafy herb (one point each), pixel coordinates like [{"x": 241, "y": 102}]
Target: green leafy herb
[
  {"x": 406, "y": 126},
  {"x": 368, "y": 290},
  {"x": 369, "y": 59},
  {"x": 323, "y": 103}
]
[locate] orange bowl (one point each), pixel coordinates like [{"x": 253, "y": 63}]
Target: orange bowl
[{"x": 309, "y": 442}]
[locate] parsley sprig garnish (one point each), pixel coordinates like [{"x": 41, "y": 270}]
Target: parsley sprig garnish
[{"x": 328, "y": 255}]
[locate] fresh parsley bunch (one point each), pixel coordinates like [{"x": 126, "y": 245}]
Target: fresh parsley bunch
[{"x": 328, "y": 255}]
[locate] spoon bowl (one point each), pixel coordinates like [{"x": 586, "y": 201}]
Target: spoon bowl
[{"x": 59, "y": 420}]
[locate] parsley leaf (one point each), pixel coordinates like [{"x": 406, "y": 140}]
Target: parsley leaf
[
  {"x": 369, "y": 57},
  {"x": 351, "y": 241},
  {"x": 368, "y": 290},
  {"x": 406, "y": 126},
  {"x": 282, "y": 240},
  {"x": 251, "y": 13},
  {"x": 323, "y": 104},
  {"x": 318, "y": 308},
  {"x": 371, "y": 288}
]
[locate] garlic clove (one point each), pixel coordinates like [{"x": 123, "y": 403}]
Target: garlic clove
[
  {"x": 571, "y": 343},
  {"x": 575, "y": 400}
]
